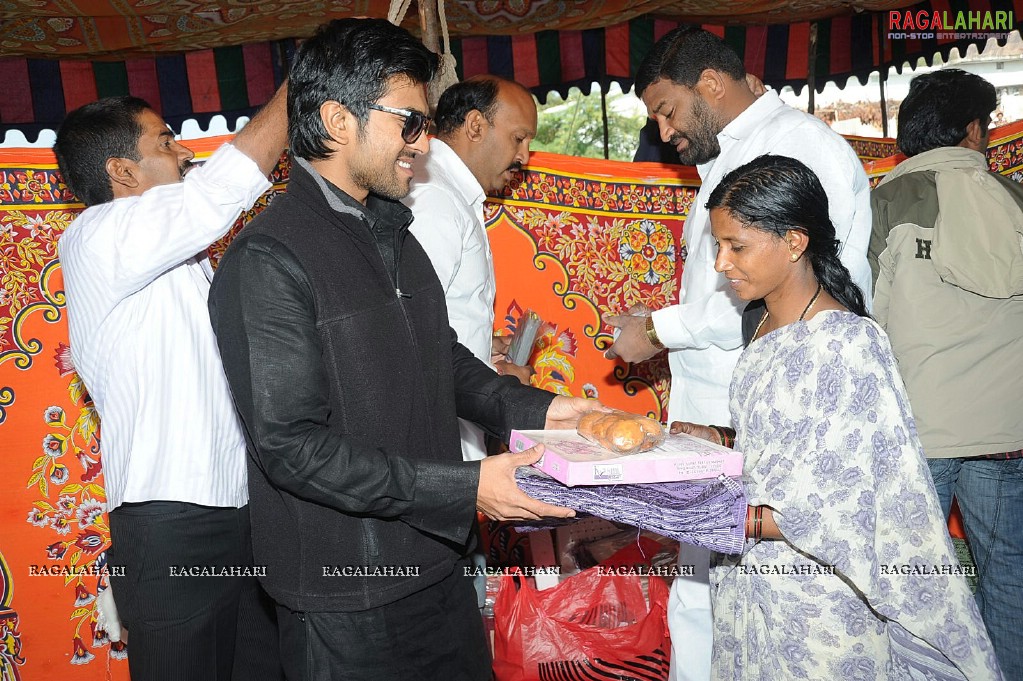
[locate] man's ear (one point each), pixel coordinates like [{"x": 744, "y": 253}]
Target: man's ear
[
  {"x": 711, "y": 85},
  {"x": 976, "y": 136},
  {"x": 121, "y": 171},
  {"x": 340, "y": 123},
  {"x": 475, "y": 125}
]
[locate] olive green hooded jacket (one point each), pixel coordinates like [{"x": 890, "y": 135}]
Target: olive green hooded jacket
[{"x": 947, "y": 260}]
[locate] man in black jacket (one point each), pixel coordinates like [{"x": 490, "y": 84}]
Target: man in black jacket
[{"x": 334, "y": 334}]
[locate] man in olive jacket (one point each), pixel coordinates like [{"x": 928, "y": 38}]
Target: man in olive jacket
[
  {"x": 334, "y": 333},
  {"x": 946, "y": 254}
]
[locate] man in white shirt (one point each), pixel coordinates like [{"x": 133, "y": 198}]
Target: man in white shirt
[
  {"x": 695, "y": 87},
  {"x": 136, "y": 278},
  {"x": 484, "y": 127}
]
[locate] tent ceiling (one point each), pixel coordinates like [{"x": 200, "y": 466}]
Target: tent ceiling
[
  {"x": 194, "y": 59},
  {"x": 125, "y": 29}
]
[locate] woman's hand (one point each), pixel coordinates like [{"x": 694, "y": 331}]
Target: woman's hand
[{"x": 696, "y": 430}]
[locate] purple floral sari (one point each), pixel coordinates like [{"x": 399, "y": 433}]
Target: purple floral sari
[{"x": 865, "y": 584}]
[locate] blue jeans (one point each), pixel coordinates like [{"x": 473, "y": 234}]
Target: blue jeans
[{"x": 990, "y": 494}]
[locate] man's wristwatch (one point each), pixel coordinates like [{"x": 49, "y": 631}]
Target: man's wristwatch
[{"x": 651, "y": 334}]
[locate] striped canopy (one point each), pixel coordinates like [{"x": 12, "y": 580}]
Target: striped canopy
[{"x": 234, "y": 79}]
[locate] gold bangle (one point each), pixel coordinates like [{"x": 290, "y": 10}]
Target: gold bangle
[{"x": 651, "y": 334}]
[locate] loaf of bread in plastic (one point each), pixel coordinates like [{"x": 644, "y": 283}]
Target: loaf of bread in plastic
[{"x": 621, "y": 432}]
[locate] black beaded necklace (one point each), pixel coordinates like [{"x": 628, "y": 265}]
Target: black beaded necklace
[{"x": 806, "y": 309}]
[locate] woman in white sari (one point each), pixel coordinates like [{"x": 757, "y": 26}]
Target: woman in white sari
[{"x": 848, "y": 572}]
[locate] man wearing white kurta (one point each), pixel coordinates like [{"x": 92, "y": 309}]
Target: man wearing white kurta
[
  {"x": 484, "y": 127},
  {"x": 695, "y": 87}
]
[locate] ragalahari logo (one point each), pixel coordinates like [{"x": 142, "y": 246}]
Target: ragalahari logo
[{"x": 929, "y": 25}]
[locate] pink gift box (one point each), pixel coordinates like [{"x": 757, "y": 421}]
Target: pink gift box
[{"x": 574, "y": 460}]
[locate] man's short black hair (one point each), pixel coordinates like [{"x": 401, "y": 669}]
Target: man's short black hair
[
  {"x": 683, "y": 54},
  {"x": 92, "y": 134},
  {"x": 461, "y": 98},
  {"x": 940, "y": 106},
  {"x": 348, "y": 61}
]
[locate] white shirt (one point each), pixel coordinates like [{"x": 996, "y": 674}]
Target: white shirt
[
  {"x": 704, "y": 331},
  {"x": 447, "y": 201},
  {"x": 136, "y": 278}
]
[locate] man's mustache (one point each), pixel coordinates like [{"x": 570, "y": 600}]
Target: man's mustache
[
  {"x": 515, "y": 167},
  {"x": 185, "y": 167}
]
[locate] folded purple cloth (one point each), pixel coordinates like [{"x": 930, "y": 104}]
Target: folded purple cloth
[{"x": 710, "y": 514}]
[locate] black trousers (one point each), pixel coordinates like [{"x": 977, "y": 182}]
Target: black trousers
[
  {"x": 180, "y": 625},
  {"x": 433, "y": 635}
]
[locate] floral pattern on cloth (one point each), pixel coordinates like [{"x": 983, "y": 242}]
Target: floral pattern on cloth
[{"x": 865, "y": 584}]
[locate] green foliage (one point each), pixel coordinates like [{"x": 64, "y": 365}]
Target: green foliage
[{"x": 575, "y": 126}]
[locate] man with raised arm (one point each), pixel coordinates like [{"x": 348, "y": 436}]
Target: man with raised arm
[{"x": 136, "y": 278}]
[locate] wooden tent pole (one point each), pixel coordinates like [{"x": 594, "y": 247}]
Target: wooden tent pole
[
  {"x": 429, "y": 22},
  {"x": 882, "y": 75},
  {"x": 811, "y": 72},
  {"x": 603, "y": 115}
]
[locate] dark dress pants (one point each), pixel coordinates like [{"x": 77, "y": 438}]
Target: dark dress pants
[
  {"x": 186, "y": 627},
  {"x": 433, "y": 635}
]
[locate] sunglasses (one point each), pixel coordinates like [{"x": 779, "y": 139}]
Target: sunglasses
[{"x": 415, "y": 122}]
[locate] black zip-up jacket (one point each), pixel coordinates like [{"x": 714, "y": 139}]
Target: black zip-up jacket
[{"x": 334, "y": 334}]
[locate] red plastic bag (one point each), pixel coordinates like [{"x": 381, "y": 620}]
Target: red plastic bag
[{"x": 589, "y": 626}]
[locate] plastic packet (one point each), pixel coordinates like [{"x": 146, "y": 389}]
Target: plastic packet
[{"x": 620, "y": 431}]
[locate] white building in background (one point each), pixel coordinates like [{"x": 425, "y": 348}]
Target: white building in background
[
  {"x": 190, "y": 130},
  {"x": 1002, "y": 66}
]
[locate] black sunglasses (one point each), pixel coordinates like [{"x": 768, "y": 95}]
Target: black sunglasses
[{"x": 415, "y": 122}]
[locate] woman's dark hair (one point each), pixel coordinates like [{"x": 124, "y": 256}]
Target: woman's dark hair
[
  {"x": 940, "y": 106},
  {"x": 92, "y": 134},
  {"x": 775, "y": 194},
  {"x": 348, "y": 61},
  {"x": 683, "y": 54}
]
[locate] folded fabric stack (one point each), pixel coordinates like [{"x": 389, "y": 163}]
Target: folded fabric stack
[{"x": 709, "y": 513}]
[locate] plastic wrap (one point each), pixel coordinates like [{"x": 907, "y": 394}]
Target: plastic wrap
[{"x": 621, "y": 432}]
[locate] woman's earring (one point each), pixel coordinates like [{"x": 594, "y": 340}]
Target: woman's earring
[{"x": 795, "y": 257}]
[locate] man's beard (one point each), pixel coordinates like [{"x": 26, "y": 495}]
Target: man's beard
[
  {"x": 381, "y": 182},
  {"x": 703, "y": 141}
]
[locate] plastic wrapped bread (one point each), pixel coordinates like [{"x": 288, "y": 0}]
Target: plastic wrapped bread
[{"x": 621, "y": 432}]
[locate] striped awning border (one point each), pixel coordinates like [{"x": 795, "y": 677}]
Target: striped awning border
[{"x": 234, "y": 80}]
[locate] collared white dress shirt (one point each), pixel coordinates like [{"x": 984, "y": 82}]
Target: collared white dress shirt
[
  {"x": 704, "y": 331},
  {"x": 447, "y": 201},
  {"x": 136, "y": 278}
]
